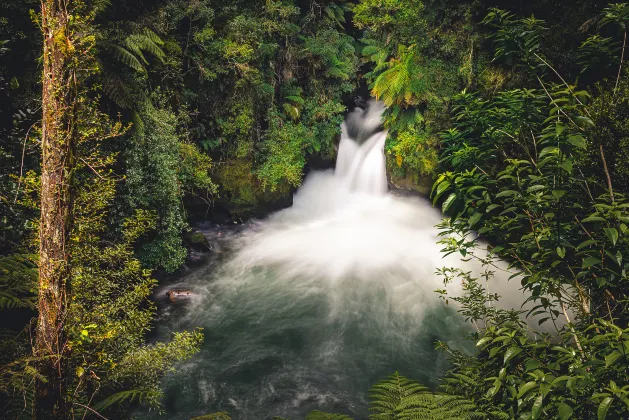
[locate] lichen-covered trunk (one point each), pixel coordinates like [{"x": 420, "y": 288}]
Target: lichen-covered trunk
[{"x": 58, "y": 142}]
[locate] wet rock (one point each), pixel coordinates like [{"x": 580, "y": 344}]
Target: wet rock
[
  {"x": 197, "y": 241},
  {"x": 174, "y": 295}
]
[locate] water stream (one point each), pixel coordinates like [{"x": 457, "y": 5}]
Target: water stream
[{"x": 313, "y": 305}]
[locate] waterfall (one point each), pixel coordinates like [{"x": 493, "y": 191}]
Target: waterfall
[
  {"x": 360, "y": 162},
  {"x": 319, "y": 301}
]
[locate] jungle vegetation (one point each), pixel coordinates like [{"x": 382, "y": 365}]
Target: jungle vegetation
[{"x": 122, "y": 122}]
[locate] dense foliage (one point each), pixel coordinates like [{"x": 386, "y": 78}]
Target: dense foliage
[{"x": 515, "y": 113}]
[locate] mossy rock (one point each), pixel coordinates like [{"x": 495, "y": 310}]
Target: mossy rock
[
  {"x": 196, "y": 240},
  {"x": 242, "y": 194},
  {"x": 421, "y": 184}
]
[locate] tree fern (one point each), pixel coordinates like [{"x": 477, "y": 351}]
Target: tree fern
[
  {"x": 120, "y": 90},
  {"x": 398, "y": 84},
  {"x": 399, "y": 398},
  {"x": 20, "y": 404},
  {"x": 336, "y": 13},
  {"x": 374, "y": 52},
  {"x": 130, "y": 51},
  {"x": 320, "y": 415},
  {"x": 124, "y": 56},
  {"x": 18, "y": 282}
]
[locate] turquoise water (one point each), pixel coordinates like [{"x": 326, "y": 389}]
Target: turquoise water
[{"x": 278, "y": 346}]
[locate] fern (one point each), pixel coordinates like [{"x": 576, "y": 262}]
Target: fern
[
  {"x": 131, "y": 50},
  {"x": 20, "y": 404},
  {"x": 128, "y": 396},
  {"x": 320, "y": 415},
  {"x": 399, "y": 84},
  {"x": 18, "y": 282},
  {"x": 125, "y": 56},
  {"x": 399, "y": 398}
]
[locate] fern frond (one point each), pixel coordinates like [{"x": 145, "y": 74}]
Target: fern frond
[
  {"x": 320, "y": 415},
  {"x": 387, "y": 395},
  {"x": 18, "y": 282},
  {"x": 146, "y": 42},
  {"x": 100, "y": 6},
  {"x": 118, "y": 90},
  {"x": 133, "y": 44},
  {"x": 125, "y": 57},
  {"x": 20, "y": 403},
  {"x": 399, "y": 398},
  {"x": 128, "y": 396},
  {"x": 9, "y": 301}
]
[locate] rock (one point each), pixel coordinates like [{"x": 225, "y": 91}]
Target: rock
[
  {"x": 418, "y": 184},
  {"x": 175, "y": 294},
  {"x": 197, "y": 241}
]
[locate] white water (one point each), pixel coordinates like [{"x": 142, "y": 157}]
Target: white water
[
  {"x": 321, "y": 300},
  {"x": 345, "y": 232}
]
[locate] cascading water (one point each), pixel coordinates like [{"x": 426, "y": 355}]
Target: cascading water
[{"x": 321, "y": 300}]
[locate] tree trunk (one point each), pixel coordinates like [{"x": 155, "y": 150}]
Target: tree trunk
[{"x": 58, "y": 143}]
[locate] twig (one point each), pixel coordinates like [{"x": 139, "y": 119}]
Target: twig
[
  {"x": 622, "y": 57},
  {"x": 557, "y": 106},
  {"x": 99, "y": 175},
  {"x": 609, "y": 179},
  {"x": 19, "y": 183},
  {"x": 566, "y": 83},
  {"x": 92, "y": 410},
  {"x": 574, "y": 333}
]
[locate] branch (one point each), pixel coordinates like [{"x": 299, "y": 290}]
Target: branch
[{"x": 622, "y": 57}]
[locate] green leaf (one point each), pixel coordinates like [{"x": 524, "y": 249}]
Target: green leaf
[
  {"x": 531, "y": 364},
  {"x": 612, "y": 234},
  {"x": 448, "y": 203},
  {"x": 565, "y": 411},
  {"x": 526, "y": 388},
  {"x": 577, "y": 141},
  {"x": 584, "y": 121},
  {"x": 511, "y": 353},
  {"x": 536, "y": 188},
  {"x": 590, "y": 261},
  {"x": 483, "y": 341},
  {"x": 537, "y": 407},
  {"x": 603, "y": 408},
  {"x": 558, "y": 194},
  {"x": 586, "y": 243},
  {"x": 474, "y": 219},
  {"x": 506, "y": 193},
  {"x": 561, "y": 252},
  {"x": 611, "y": 358},
  {"x": 566, "y": 165},
  {"x": 441, "y": 188},
  {"x": 593, "y": 219}
]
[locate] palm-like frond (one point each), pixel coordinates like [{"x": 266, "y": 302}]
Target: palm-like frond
[
  {"x": 128, "y": 396},
  {"x": 396, "y": 85},
  {"x": 131, "y": 50},
  {"x": 125, "y": 56},
  {"x": 399, "y": 398},
  {"x": 374, "y": 53},
  {"x": 320, "y": 415},
  {"x": 18, "y": 282}
]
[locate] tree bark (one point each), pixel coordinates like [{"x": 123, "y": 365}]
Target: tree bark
[{"x": 58, "y": 144}]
